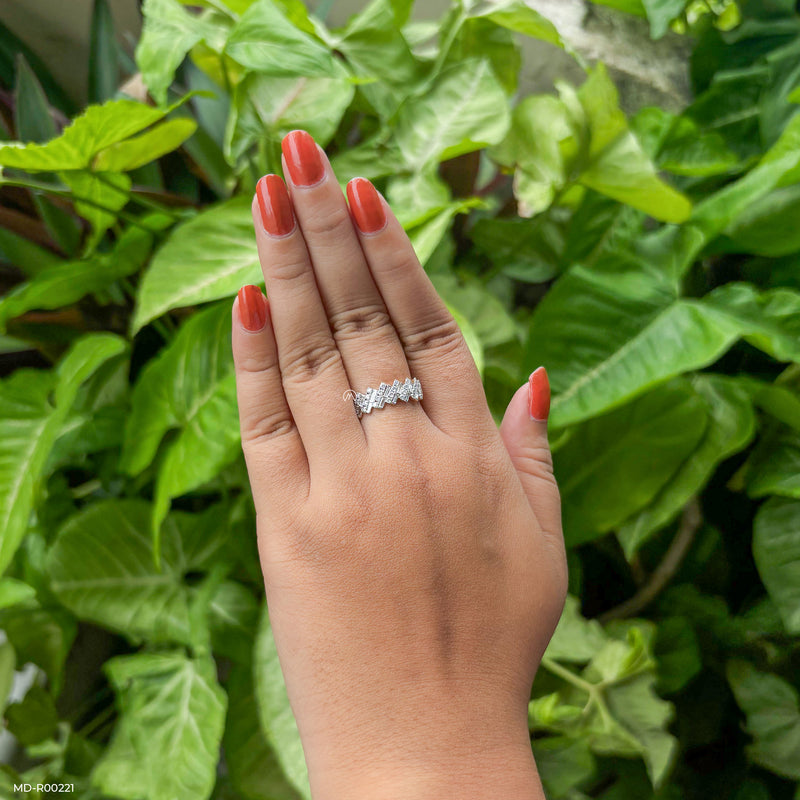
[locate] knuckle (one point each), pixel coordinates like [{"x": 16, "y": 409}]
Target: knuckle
[
  {"x": 328, "y": 223},
  {"x": 289, "y": 268},
  {"x": 257, "y": 430},
  {"x": 306, "y": 363},
  {"x": 257, "y": 364},
  {"x": 354, "y": 322},
  {"x": 443, "y": 338}
]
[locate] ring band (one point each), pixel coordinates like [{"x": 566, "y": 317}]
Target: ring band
[{"x": 410, "y": 389}]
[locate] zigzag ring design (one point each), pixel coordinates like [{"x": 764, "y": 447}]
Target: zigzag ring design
[{"x": 410, "y": 389}]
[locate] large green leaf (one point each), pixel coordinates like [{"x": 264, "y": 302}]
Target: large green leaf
[
  {"x": 66, "y": 282},
  {"x": 133, "y": 153},
  {"x": 575, "y": 639},
  {"x": 266, "y": 108},
  {"x": 277, "y": 720},
  {"x": 101, "y": 567},
  {"x": 265, "y": 40},
  {"x": 774, "y": 466},
  {"x": 93, "y": 131},
  {"x": 613, "y": 466},
  {"x": 773, "y": 717},
  {"x": 607, "y": 338},
  {"x": 770, "y": 320},
  {"x": 776, "y": 550},
  {"x": 583, "y": 137},
  {"x": 517, "y": 16},
  {"x": 254, "y": 769},
  {"x": 33, "y": 407},
  {"x": 169, "y": 32},
  {"x": 464, "y": 110},
  {"x": 211, "y": 256},
  {"x": 166, "y": 744},
  {"x": 731, "y": 425},
  {"x": 768, "y": 226},
  {"x": 32, "y": 117}
]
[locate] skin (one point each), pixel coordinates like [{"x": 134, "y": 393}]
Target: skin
[{"x": 413, "y": 559}]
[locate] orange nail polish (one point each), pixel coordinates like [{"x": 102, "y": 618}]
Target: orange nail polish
[
  {"x": 275, "y": 206},
  {"x": 539, "y": 391},
  {"x": 365, "y": 203},
  {"x": 302, "y": 158},
  {"x": 252, "y": 308}
]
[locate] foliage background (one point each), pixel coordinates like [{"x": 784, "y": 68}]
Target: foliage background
[{"x": 651, "y": 264}]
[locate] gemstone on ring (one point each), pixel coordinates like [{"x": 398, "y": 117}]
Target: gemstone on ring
[{"x": 410, "y": 389}]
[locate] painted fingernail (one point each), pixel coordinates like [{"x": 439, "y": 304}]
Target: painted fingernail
[
  {"x": 539, "y": 389},
  {"x": 302, "y": 158},
  {"x": 252, "y": 308},
  {"x": 275, "y": 206},
  {"x": 365, "y": 203}
]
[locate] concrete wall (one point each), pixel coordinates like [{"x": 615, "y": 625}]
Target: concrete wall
[{"x": 647, "y": 72}]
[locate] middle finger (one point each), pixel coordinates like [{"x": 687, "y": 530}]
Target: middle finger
[{"x": 371, "y": 349}]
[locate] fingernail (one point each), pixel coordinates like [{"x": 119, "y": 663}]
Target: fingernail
[
  {"x": 252, "y": 308},
  {"x": 275, "y": 206},
  {"x": 302, "y": 158},
  {"x": 365, "y": 203},
  {"x": 539, "y": 390}
]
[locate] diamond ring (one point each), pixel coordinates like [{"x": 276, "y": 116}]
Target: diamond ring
[{"x": 410, "y": 389}]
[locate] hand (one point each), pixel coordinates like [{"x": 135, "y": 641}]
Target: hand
[{"x": 413, "y": 559}]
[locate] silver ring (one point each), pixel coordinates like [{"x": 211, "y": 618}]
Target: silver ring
[{"x": 410, "y": 389}]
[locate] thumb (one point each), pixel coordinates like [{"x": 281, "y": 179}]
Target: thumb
[{"x": 524, "y": 433}]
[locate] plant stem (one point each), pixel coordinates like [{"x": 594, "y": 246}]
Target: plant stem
[
  {"x": 568, "y": 675},
  {"x": 691, "y": 520}
]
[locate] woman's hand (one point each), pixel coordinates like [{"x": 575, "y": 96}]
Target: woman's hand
[{"x": 413, "y": 559}]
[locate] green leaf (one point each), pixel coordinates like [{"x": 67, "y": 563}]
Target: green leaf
[
  {"x": 90, "y": 133},
  {"x": 101, "y": 567},
  {"x": 24, "y": 254},
  {"x": 168, "y": 737},
  {"x": 41, "y": 636},
  {"x": 265, "y": 40},
  {"x": 773, "y": 466},
  {"x": 68, "y": 281},
  {"x": 254, "y": 769},
  {"x": 98, "y": 198},
  {"x": 770, "y": 320},
  {"x": 233, "y": 618},
  {"x": 776, "y": 550},
  {"x": 30, "y": 422},
  {"x": 661, "y": 13},
  {"x": 629, "y": 6},
  {"x": 731, "y": 428},
  {"x": 266, "y": 108},
  {"x": 7, "y": 664},
  {"x": 486, "y": 314},
  {"x": 190, "y": 387},
  {"x": 612, "y": 705},
  {"x": 583, "y": 137},
  {"x": 519, "y": 17},
  {"x": 773, "y": 718},
  {"x": 169, "y": 32},
  {"x": 140, "y": 150},
  {"x": 563, "y": 763},
  {"x": 767, "y": 226},
  {"x": 275, "y": 713},
  {"x": 678, "y": 654},
  {"x": 14, "y": 592},
  {"x": 528, "y": 251},
  {"x": 211, "y": 256},
  {"x": 464, "y": 110},
  {"x": 103, "y": 63},
  {"x": 34, "y": 718},
  {"x": 32, "y": 118},
  {"x": 613, "y": 466},
  {"x": 575, "y": 639}
]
